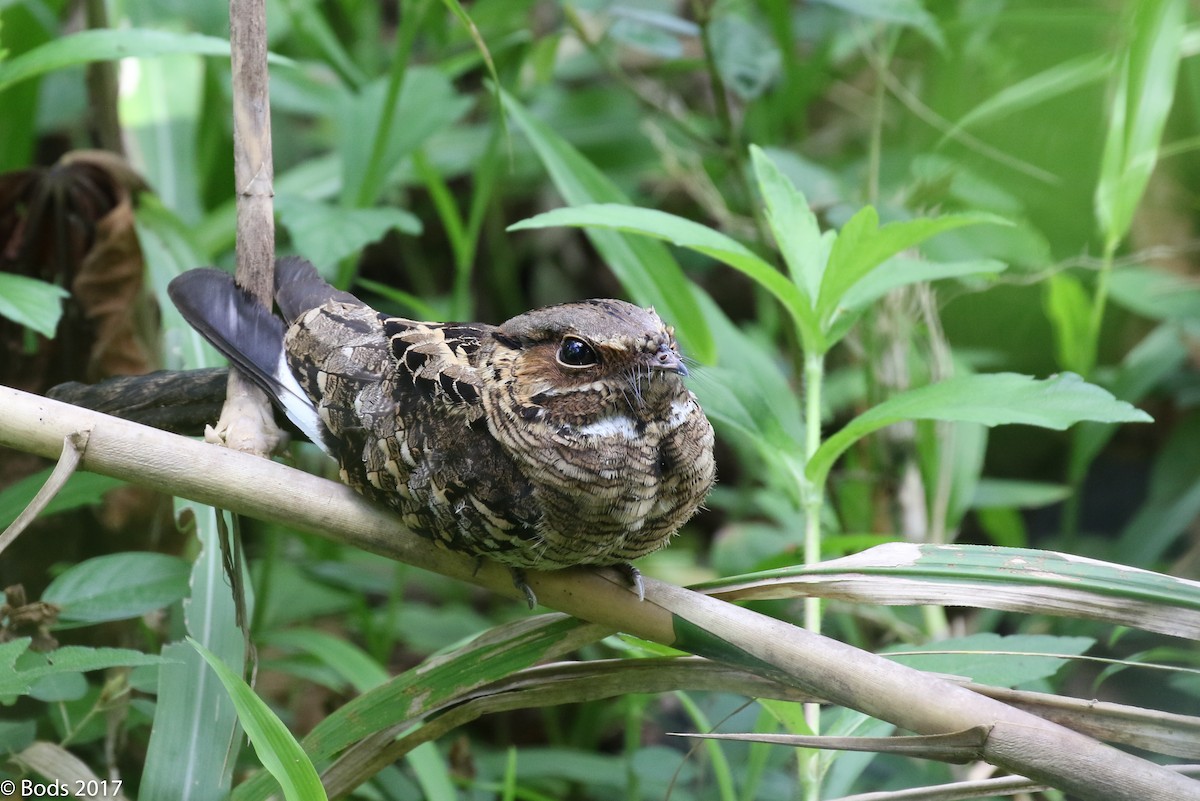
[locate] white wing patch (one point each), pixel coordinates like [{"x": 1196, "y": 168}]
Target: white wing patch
[{"x": 297, "y": 406}]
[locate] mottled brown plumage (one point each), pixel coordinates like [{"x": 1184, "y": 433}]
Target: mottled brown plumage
[{"x": 564, "y": 436}]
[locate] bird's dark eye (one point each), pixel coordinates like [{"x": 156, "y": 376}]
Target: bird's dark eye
[{"x": 574, "y": 352}]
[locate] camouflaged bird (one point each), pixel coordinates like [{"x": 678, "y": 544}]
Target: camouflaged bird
[{"x": 564, "y": 436}]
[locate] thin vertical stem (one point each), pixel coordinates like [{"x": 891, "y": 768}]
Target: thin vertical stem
[{"x": 813, "y": 498}]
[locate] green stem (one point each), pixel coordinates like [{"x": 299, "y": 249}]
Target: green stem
[
  {"x": 1077, "y": 471},
  {"x": 812, "y": 498}
]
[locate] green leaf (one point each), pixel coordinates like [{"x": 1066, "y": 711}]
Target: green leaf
[
  {"x": 901, "y": 271},
  {"x": 81, "y": 489},
  {"x": 118, "y": 586},
  {"x": 108, "y": 44},
  {"x": 687, "y": 234},
  {"x": 999, "y": 492},
  {"x": 645, "y": 268},
  {"x": 794, "y": 226},
  {"x": 416, "y": 692},
  {"x": 862, "y": 245},
  {"x": 34, "y": 304},
  {"x": 1069, "y": 310},
  {"x": 427, "y": 103},
  {"x": 277, "y": 749},
  {"x": 747, "y": 59},
  {"x": 1156, "y": 294},
  {"x": 997, "y": 399},
  {"x": 327, "y": 234},
  {"x": 989, "y": 658},
  {"x": 1144, "y": 92},
  {"x": 19, "y": 678},
  {"x": 348, "y": 661}
]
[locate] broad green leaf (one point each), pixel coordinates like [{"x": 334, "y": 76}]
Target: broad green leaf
[
  {"x": 997, "y": 399},
  {"x": 688, "y": 234},
  {"x": 81, "y": 489},
  {"x": 794, "y": 226},
  {"x": 25, "y": 668},
  {"x": 108, "y": 44},
  {"x": 34, "y": 304},
  {"x": 1046, "y": 85},
  {"x": 645, "y": 268},
  {"x": 1145, "y": 89},
  {"x": 118, "y": 586},
  {"x": 862, "y": 245},
  {"x": 327, "y": 234},
  {"x": 989, "y": 658},
  {"x": 1069, "y": 309},
  {"x": 277, "y": 749}
]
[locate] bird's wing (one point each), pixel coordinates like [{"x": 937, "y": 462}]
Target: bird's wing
[{"x": 438, "y": 360}]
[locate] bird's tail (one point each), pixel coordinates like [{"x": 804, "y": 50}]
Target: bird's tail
[{"x": 251, "y": 336}]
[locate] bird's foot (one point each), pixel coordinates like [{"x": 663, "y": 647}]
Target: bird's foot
[
  {"x": 634, "y": 577},
  {"x": 518, "y": 576}
]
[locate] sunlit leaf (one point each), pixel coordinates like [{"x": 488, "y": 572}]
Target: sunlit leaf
[
  {"x": 862, "y": 245},
  {"x": 1145, "y": 89},
  {"x": 1069, "y": 309},
  {"x": 34, "y": 304}
]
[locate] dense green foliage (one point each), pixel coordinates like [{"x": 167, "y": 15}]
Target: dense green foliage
[{"x": 946, "y": 216}]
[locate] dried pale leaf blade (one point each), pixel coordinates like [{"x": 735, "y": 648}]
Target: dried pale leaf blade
[
  {"x": 956, "y": 747},
  {"x": 1016, "y": 579}
]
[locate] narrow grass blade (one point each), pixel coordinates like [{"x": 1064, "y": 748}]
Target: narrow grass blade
[{"x": 277, "y": 749}]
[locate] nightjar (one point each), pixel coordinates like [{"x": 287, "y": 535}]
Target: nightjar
[{"x": 564, "y": 436}]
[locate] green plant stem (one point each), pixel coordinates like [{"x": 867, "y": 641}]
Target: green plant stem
[
  {"x": 1077, "y": 469},
  {"x": 812, "y": 495}
]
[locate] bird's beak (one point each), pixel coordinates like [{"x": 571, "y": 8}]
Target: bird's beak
[{"x": 668, "y": 360}]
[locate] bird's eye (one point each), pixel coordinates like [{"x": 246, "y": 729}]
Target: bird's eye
[{"x": 574, "y": 352}]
